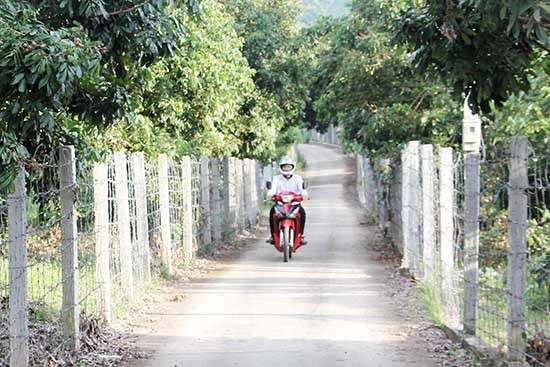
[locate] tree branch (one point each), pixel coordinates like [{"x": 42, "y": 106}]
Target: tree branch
[{"x": 128, "y": 10}]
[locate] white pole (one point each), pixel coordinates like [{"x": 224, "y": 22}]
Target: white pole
[
  {"x": 216, "y": 203},
  {"x": 164, "y": 203},
  {"x": 187, "y": 188},
  {"x": 70, "y": 313},
  {"x": 428, "y": 212},
  {"x": 517, "y": 254},
  {"x": 101, "y": 213},
  {"x": 144, "y": 262},
  {"x": 446, "y": 235},
  {"x": 206, "y": 229},
  {"x": 123, "y": 214},
  {"x": 471, "y": 240},
  {"x": 17, "y": 253}
]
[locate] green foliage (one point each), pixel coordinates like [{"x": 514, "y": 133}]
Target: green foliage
[
  {"x": 538, "y": 287},
  {"x": 481, "y": 47},
  {"x": 270, "y": 45},
  {"x": 363, "y": 82},
  {"x": 67, "y": 60},
  {"x": 197, "y": 96},
  {"x": 430, "y": 300},
  {"x": 524, "y": 113},
  {"x": 157, "y": 76},
  {"x": 41, "y": 71}
]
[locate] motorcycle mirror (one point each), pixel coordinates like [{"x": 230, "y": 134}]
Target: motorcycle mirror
[{"x": 268, "y": 185}]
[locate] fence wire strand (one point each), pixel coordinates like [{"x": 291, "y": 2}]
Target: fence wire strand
[
  {"x": 449, "y": 277},
  {"x": 43, "y": 269}
]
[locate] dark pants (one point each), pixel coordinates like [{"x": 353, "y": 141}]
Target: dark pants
[{"x": 272, "y": 220}]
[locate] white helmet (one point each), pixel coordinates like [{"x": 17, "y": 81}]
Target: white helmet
[{"x": 286, "y": 160}]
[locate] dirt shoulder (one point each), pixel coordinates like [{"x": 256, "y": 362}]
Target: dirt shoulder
[{"x": 404, "y": 293}]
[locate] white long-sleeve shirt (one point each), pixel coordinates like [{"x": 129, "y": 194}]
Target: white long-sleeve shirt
[{"x": 281, "y": 184}]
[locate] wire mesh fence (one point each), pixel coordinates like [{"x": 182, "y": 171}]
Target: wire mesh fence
[
  {"x": 462, "y": 229},
  {"x": 537, "y": 292},
  {"x": 90, "y": 244}
]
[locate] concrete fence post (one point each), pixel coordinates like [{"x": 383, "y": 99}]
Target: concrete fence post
[
  {"x": 247, "y": 193},
  {"x": 142, "y": 228},
  {"x": 517, "y": 254},
  {"x": 232, "y": 194},
  {"x": 253, "y": 193},
  {"x": 240, "y": 202},
  {"x": 259, "y": 185},
  {"x": 70, "y": 313},
  {"x": 216, "y": 202},
  {"x": 382, "y": 194},
  {"x": 123, "y": 221},
  {"x": 406, "y": 261},
  {"x": 359, "y": 178},
  {"x": 101, "y": 214},
  {"x": 206, "y": 229},
  {"x": 428, "y": 212},
  {"x": 471, "y": 240},
  {"x": 410, "y": 207},
  {"x": 164, "y": 209},
  {"x": 187, "y": 217},
  {"x": 369, "y": 187},
  {"x": 17, "y": 254},
  {"x": 446, "y": 259},
  {"x": 395, "y": 192}
]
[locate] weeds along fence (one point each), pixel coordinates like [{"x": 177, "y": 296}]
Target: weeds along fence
[
  {"x": 87, "y": 239},
  {"x": 477, "y": 234}
]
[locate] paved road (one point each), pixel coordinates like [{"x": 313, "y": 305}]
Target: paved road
[{"x": 325, "y": 308}]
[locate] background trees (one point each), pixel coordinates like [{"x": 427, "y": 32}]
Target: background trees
[
  {"x": 239, "y": 77},
  {"x": 361, "y": 80},
  {"x": 65, "y": 62},
  {"x": 392, "y": 71},
  {"x": 159, "y": 75},
  {"x": 482, "y": 47}
]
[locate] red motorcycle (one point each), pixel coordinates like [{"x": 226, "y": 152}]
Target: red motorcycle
[{"x": 288, "y": 231}]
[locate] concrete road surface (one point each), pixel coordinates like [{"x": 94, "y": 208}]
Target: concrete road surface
[{"x": 324, "y": 308}]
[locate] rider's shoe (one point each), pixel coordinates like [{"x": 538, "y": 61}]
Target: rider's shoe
[
  {"x": 303, "y": 241},
  {"x": 270, "y": 240}
]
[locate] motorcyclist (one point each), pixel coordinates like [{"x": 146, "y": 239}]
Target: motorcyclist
[{"x": 287, "y": 181}]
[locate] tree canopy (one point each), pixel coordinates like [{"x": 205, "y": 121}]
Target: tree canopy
[
  {"x": 160, "y": 76},
  {"x": 480, "y": 46},
  {"x": 392, "y": 71},
  {"x": 238, "y": 77}
]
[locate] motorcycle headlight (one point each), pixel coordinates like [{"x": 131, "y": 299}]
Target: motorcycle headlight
[{"x": 287, "y": 198}]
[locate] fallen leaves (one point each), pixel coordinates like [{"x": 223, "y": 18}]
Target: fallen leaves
[{"x": 100, "y": 346}]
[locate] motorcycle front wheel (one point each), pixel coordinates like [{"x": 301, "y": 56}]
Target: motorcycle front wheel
[
  {"x": 290, "y": 242},
  {"x": 286, "y": 245}
]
